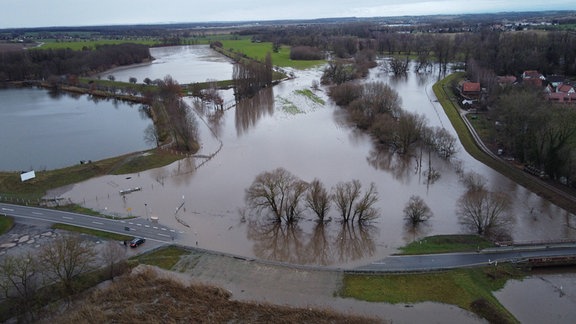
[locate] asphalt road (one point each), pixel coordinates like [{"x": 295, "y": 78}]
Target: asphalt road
[
  {"x": 490, "y": 256},
  {"x": 139, "y": 227}
]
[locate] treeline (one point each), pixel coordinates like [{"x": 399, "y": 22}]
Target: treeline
[
  {"x": 41, "y": 64},
  {"x": 504, "y": 52},
  {"x": 249, "y": 76}
]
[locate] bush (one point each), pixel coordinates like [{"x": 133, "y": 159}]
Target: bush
[{"x": 306, "y": 53}]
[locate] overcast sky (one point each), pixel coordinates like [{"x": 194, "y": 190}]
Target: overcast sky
[{"x": 44, "y": 13}]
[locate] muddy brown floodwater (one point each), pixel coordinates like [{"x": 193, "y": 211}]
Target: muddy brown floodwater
[{"x": 283, "y": 128}]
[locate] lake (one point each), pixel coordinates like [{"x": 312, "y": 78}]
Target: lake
[{"x": 45, "y": 131}]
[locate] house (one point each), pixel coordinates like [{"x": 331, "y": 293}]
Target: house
[
  {"x": 533, "y": 78},
  {"x": 564, "y": 94},
  {"x": 471, "y": 90}
]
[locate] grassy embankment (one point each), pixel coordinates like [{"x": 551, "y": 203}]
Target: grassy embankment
[
  {"x": 446, "y": 244},
  {"x": 469, "y": 289},
  {"x": 447, "y": 99}
]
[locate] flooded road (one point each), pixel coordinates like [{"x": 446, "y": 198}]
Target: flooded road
[{"x": 284, "y": 128}]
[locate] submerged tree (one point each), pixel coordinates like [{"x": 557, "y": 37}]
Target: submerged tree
[
  {"x": 277, "y": 192},
  {"x": 484, "y": 213},
  {"x": 352, "y": 204},
  {"x": 318, "y": 199},
  {"x": 416, "y": 211}
]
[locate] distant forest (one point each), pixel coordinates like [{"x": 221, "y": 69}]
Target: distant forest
[{"x": 38, "y": 64}]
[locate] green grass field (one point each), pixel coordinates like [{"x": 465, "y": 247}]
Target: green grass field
[
  {"x": 91, "y": 44},
  {"x": 446, "y": 244},
  {"x": 469, "y": 289},
  {"x": 164, "y": 258},
  {"x": 259, "y": 51}
]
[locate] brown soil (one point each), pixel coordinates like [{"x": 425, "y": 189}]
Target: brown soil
[{"x": 146, "y": 297}]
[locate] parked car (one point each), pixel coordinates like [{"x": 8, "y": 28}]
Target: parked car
[{"x": 137, "y": 242}]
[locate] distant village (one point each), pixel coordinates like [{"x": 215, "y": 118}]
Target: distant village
[{"x": 555, "y": 88}]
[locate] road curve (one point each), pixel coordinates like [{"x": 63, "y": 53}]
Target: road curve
[{"x": 139, "y": 227}]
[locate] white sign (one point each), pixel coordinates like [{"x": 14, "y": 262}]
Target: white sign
[{"x": 27, "y": 175}]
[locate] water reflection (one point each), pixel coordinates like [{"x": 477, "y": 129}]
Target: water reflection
[
  {"x": 326, "y": 244},
  {"x": 413, "y": 233},
  {"x": 396, "y": 164},
  {"x": 277, "y": 241},
  {"x": 355, "y": 241},
  {"x": 250, "y": 110},
  {"x": 211, "y": 115}
]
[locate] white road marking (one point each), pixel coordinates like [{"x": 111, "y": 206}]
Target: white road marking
[
  {"x": 37, "y": 213},
  {"x": 130, "y": 223},
  {"x": 163, "y": 235},
  {"x": 138, "y": 224},
  {"x": 163, "y": 229},
  {"x": 146, "y": 225},
  {"x": 97, "y": 223},
  {"x": 123, "y": 222},
  {"x": 173, "y": 231},
  {"x": 67, "y": 217},
  {"x": 155, "y": 227},
  {"x": 8, "y": 209}
]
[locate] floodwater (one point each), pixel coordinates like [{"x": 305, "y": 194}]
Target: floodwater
[
  {"x": 204, "y": 199},
  {"x": 47, "y": 131},
  {"x": 186, "y": 64},
  {"x": 544, "y": 297}
]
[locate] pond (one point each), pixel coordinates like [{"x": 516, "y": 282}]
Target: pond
[
  {"x": 43, "y": 131},
  {"x": 281, "y": 127}
]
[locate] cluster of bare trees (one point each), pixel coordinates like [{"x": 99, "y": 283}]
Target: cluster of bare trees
[
  {"x": 173, "y": 118},
  {"x": 29, "y": 280},
  {"x": 249, "y": 76},
  {"x": 283, "y": 197},
  {"x": 306, "y": 53},
  {"x": 375, "y": 107}
]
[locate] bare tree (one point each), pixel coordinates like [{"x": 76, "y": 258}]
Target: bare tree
[
  {"x": 364, "y": 210},
  {"x": 473, "y": 181},
  {"x": 113, "y": 253},
  {"x": 484, "y": 212},
  {"x": 444, "y": 142},
  {"x": 345, "y": 195},
  {"x": 416, "y": 211},
  {"x": 67, "y": 257},
  {"x": 278, "y": 192},
  {"x": 398, "y": 66},
  {"x": 317, "y": 199},
  {"x": 19, "y": 281},
  {"x": 352, "y": 204}
]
